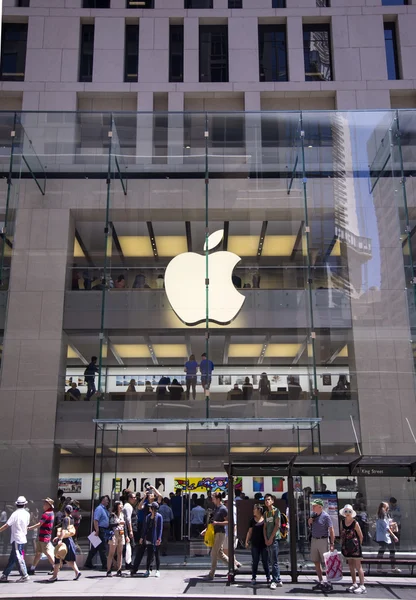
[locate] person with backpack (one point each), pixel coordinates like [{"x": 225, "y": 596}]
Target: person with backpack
[{"x": 271, "y": 531}]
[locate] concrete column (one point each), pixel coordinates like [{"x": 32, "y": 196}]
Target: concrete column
[
  {"x": 176, "y": 104},
  {"x": 296, "y": 63},
  {"x": 191, "y": 50},
  {"x": 109, "y": 50},
  {"x": 144, "y": 146},
  {"x": 252, "y": 102},
  {"x": 154, "y": 50},
  {"x": 243, "y": 49},
  {"x": 34, "y": 350}
]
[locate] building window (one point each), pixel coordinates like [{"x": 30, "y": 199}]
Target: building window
[
  {"x": 394, "y": 2},
  {"x": 87, "y": 53},
  {"x": 213, "y": 53},
  {"x": 278, "y": 3},
  {"x": 96, "y": 4},
  {"x": 13, "y": 51},
  {"x": 227, "y": 131},
  {"x": 390, "y": 42},
  {"x": 317, "y": 52},
  {"x": 131, "y": 53},
  {"x": 272, "y": 53},
  {"x": 23, "y": 3},
  {"x": 176, "y": 53},
  {"x": 235, "y": 3},
  {"x": 140, "y": 4},
  {"x": 323, "y": 3},
  {"x": 198, "y": 4}
]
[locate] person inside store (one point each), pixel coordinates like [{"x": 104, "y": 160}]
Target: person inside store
[
  {"x": 176, "y": 504},
  {"x": 150, "y": 540},
  {"x": 264, "y": 387},
  {"x": 161, "y": 391},
  {"x": 206, "y": 367},
  {"x": 342, "y": 391},
  {"x": 235, "y": 394},
  {"x": 132, "y": 387},
  {"x": 73, "y": 392},
  {"x": 321, "y": 528},
  {"x": 255, "y": 540},
  {"x": 247, "y": 389},
  {"x": 386, "y": 537},
  {"x": 294, "y": 388},
  {"x": 191, "y": 367},
  {"x": 351, "y": 544},
  {"x": 101, "y": 523},
  {"x": 167, "y": 514},
  {"x": 198, "y": 515},
  {"x": 175, "y": 390},
  {"x": 120, "y": 283},
  {"x": 89, "y": 375}
]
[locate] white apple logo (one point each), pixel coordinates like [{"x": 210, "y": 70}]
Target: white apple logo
[{"x": 186, "y": 290}]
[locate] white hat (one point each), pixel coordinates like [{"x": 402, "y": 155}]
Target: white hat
[
  {"x": 21, "y": 501},
  {"x": 350, "y": 509}
]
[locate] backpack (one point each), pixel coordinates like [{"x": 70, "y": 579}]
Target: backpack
[{"x": 284, "y": 526}]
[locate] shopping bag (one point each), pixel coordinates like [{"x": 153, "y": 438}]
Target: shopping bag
[
  {"x": 333, "y": 566},
  {"x": 209, "y": 536},
  {"x": 128, "y": 554}
]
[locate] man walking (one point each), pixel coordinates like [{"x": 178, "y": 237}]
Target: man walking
[
  {"x": 44, "y": 544},
  {"x": 220, "y": 522},
  {"x": 322, "y": 528},
  {"x": 101, "y": 523},
  {"x": 271, "y": 530},
  {"x": 89, "y": 375},
  {"x": 18, "y": 523}
]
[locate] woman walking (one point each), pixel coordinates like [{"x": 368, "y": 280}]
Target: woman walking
[
  {"x": 255, "y": 535},
  {"x": 70, "y": 557},
  {"x": 385, "y": 537},
  {"x": 351, "y": 542},
  {"x": 118, "y": 539}
]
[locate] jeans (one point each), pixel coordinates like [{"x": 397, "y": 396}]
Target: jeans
[
  {"x": 91, "y": 389},
  {"x": 391, "y": 548},
  {"x": 140, "y": 550},
  {"x": 274, "y": 560},
  {"x": 191, "y": 382},
  {"x": 16, "y": 557},
  {"x": 101, "y": 548},
  {"x": 256, "y": 554},
  {"x": 152, "y": 551}
]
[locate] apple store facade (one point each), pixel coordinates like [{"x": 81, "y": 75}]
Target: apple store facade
[{"x": 272, "y": 252}]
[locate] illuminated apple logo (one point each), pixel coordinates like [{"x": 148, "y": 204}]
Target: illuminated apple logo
[{"x": 186, "y": 290}]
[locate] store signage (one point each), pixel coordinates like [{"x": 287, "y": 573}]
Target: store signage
[
  {"x": 382, "y": 471},
  {"x": 185, "y": 285},
  {"x": 359, "y": 243}
]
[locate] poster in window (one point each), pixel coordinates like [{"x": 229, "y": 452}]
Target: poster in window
[
  {"x": 160, "y": 485},
  {"x": 70, "y": 485},
  {"x": 117, "y": 483},
  {"x": 326, "y": 379},
  {"x": 258, "y": 484},
  {"x": 144, "y": 484},
  {"x": 277, "y": 484}
]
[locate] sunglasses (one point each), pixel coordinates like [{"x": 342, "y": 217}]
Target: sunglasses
[{"x": 347, "y": 512}]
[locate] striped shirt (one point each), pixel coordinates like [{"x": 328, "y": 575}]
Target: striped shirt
[{"x": 46, "y": 526}]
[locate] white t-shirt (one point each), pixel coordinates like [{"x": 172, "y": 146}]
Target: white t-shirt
[
  {"x": 128, "y": 511},
  {"x": 18, "y": 522}
]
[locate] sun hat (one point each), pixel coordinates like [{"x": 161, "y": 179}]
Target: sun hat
[
  {"x": 318, "y": 502},
  {"x": 21, "y": 501},
  {"x": 61, "y": 550},
  {"x": 50, "y": 502},
  {"x": 349, "y": 508}
]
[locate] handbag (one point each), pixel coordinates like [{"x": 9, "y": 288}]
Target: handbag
[
  {"x": 333, "y": 566},
  {"x": 209, "y": 536},
  {"x": 67, "y": 533},
  {"x": 61, "y": 550}
]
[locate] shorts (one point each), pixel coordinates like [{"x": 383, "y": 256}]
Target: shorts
[
  {"x": 318, "y": 549},
  {"x": 45, "y": 548},
  {"x": 117, "y": 539}
]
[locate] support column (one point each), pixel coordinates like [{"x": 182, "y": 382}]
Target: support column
[
  {"x": 34, "y": 349},
  {"x": 252, "y": 102},
  {"x": 176, "y": 103},
  {"x": 295, "y": 49},
  {"x": 144, "y": 146},
  {"x": 191, "y": 50}
]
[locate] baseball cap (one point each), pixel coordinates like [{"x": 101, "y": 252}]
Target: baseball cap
[
  {"x": 154, "y": 505},
  {"x": 318, "y": 502}
]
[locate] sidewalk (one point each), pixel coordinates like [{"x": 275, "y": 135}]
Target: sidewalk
[{"x": 174, "y": 584}]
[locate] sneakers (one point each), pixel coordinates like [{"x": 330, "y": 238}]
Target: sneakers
[
  {"x": 3, "y": 579},
  {"x": 31, "y": 571},
  {"x": 327, "y": 586},
  {"x": 23, "y": 579},
  {"x": 147, "y": 573},
  {"x": 353, "y": 587},
  {"x": 253, "y": 581},
  {"x": 157, "y": 574},
  {"x": 396, "y": 570},
  {"x": 360, "y": 590},
  {"x": 318, "y": 586}
]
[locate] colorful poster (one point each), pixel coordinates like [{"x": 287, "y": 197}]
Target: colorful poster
[
  {"x": 97, "y": 484},
  {"x": 70, "y": 485},
  {"x": 277, "y": 484},
  {"x": 330, "y": 506},
  {"x": 117, "y": 485},
  {"x": 258, "y": 484},
  {"x": 203, "y": 484}
]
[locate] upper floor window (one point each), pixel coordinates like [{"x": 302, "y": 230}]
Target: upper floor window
[
  {"x": 317, "y": 52},
  {"x": 176, "y": 53},
  {"x": 131, "y": 53},
  {"x": 278, "y": 3},
  {"x": 13, "y": 51},
  {"x": 392, "y": 58},
  {"x": 235, "y": 3},
  {"x": 199, "y": 4},
  {"x": 323, "y": 3},
  {"x": 394, "y": 2},
  {"x": 272, "y": 53},
  {"x": 86, "y": 58},
  {"x": 96, "y": 4},
  {"x": 213, "y": 53},
  {"x": 140, "y": 4},
  {"x": 23, "y": 3}
]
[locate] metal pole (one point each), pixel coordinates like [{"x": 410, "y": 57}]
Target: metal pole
[
  {"x": 231, "y": 571},
  {"x": 292, "y": 529}
]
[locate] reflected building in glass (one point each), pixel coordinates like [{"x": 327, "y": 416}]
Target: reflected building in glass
[{"x": 207, "y": 241}]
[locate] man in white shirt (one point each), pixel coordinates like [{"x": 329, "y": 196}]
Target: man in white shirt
[
  {"x": 197, "y": 519},
  {"x": 18, "y": 523}
]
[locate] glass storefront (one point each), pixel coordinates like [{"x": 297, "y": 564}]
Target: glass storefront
[{"x": 269, "y": 254}]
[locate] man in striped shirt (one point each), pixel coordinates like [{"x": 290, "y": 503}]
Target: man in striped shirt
[{"x": 44, "y": 543}]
